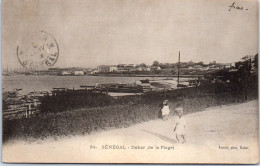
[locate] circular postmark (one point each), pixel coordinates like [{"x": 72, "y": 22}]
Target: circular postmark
[{"x": 39, "y": 51}]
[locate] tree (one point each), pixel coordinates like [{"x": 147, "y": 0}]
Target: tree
[
  {"x": 163, "y": 65},
  {"x": 200, "y": 63},
  {"x": 255, "y": 61},
  {"x": 142, "y": 65},
  {"x": 213, "y": 63},
  {"x": 155, "y": 63},
  {"x": 238, "y": 64},
  {"x": 244, "y": 74}
]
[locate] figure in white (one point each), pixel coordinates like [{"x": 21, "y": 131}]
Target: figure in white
[
  {"x": 180, "y": 126},
  {"x": 165, "y": 110}
]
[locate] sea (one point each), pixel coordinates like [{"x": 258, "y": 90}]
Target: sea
[{"x": 30, "y": 83}]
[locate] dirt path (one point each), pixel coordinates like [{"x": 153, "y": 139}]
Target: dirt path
[{"x": 210, "y": 135}]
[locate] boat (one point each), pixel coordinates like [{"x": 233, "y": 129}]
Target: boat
[
  {"x": 87, "y": 87},
  {"x": 145, "y": 81},
  {"x": 17, "y": 89},
  {"x": 162, "y": 85},
  {"x": 182, "y": 86},
  {"x": 120, "y": 88}
]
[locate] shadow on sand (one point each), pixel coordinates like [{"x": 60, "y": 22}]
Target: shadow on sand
[{"x": 161, "y": 136}]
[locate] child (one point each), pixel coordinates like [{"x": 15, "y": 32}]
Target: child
[
  {"x": 180, "y": 126},
  {"x": 165, "y": 110}
]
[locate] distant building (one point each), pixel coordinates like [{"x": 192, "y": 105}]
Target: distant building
[
  {"x": 138, "y": 68},
  {"x": 228, "y": 65},
  {"x": 78, "y": 73},
  {"x": 121, "y": 69},
  {"x": 141, "y": 68},
  {"x": 94, "y": 71},
  {"x": 213, "y": 67},
  {"x": 198, "y": 67},
  {"x": 155, "y": 68},
  {"x": 205, "y": 68},
  {"x": 129, "y": 67},
  {"x": 107, "y": 68},
  {"x": 65, "y": 73},
  {"x": 126, "y": 67},
  {"x": 103, "y": 69},
  {"x": 148, "y": 69},
  {"x": 121, "y": 65},
  {"x": 113, "y": 68}
]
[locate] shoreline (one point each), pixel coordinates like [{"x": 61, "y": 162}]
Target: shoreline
[
  {"x": 126, "y": 75},
  {"x": 111, "y": 75}
]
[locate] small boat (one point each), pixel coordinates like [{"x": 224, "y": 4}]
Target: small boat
[
  {"x": 121, "y": 88},
  {"x": 161, "y": 84},
  {"x": 59, "y": 89},
  {"x": 182, "y": 86},
  {"x": 18, "y": 89},
  {"x": 145, "y": 81},
  {"x": 87, "y": 87},
  {"x": 167, "y": 79}
]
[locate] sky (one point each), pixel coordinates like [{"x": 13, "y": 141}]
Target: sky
[{"x": 98, "y": 32}]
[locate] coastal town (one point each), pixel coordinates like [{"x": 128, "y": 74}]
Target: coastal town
[{"x": 157, "y": 68}]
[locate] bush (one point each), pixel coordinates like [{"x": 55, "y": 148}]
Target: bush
[{"x": 74, "y": 99}]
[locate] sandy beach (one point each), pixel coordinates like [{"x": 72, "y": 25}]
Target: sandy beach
[{"x": 223, "y": 134}]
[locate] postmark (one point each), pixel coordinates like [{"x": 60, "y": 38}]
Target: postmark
[{"x": 40, "y": 51}]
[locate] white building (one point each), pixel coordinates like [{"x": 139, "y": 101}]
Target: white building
[
  {"x": 113, "y": 69},
  {"x": 79, "y": 73},
  {"x": 103, "y": 68},
  {"x": 94, "y": 71},
  {"x": 198, "y": 67},
  {"x": 107, "y": 68},
  {"x": 228, "y": 65},
  {"x": 65, "y": 73}
]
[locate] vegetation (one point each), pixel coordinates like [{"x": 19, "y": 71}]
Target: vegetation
[{"x": 73, "y": 99}]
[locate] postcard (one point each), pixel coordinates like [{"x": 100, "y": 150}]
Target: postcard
[{"x": 120, "y": 81}]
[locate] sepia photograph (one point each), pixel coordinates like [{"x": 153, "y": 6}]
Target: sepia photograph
[{"x": 130, "y": 81}]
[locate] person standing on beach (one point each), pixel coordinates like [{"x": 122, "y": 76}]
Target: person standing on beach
[
  {"x": 180, "y": 126},
  {"x": 165, "y": 110}
]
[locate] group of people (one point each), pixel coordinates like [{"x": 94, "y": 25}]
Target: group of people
[{"x": 180, "y": 122}]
